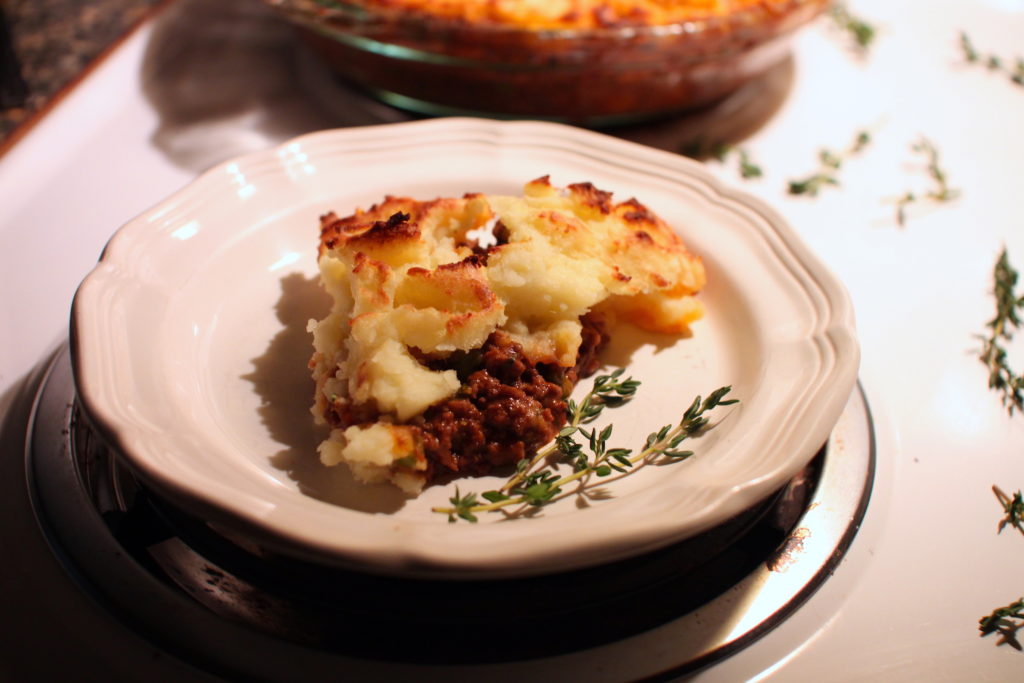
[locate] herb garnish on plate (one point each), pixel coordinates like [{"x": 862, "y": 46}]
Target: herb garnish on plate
[{"x": 536, "y": 483}]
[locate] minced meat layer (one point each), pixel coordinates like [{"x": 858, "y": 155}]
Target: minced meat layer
[{"x": 507, "y": 408}]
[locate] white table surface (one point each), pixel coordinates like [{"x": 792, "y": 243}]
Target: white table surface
[{"x": 928, "y": 562}]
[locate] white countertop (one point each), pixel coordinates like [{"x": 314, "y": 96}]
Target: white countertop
[{"x": 928, "y": 562}]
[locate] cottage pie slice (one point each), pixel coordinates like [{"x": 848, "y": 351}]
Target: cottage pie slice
[{"x": 460, "y": 325}]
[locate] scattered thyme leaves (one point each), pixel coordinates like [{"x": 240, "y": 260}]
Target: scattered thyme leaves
[
  {"x": 940, "y": 190},
  {"x": 829, "y": 163},
  {"x": 1013, "y": 507},
  {"x": 1005, "y": 621},
  {"x": 861, "y": 33},
  {"x": 721, "y": 151},
  {"x": 536, "y": 483},
  {"x": 1001, "y": 377},
  {"x": 991, "y": 61},
  {"x": 971, "y": 55},
  {"x": 748, "y": 169}
]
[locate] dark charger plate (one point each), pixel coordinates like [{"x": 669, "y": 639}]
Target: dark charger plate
[{"x": 182, "y": 582}]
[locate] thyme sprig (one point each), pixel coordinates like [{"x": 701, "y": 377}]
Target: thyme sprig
[
  {"x": 1001, "y": 377},
  {"x": 536, "y": 483},
  {"x": 940, "y": 190},
  {"x": 829, "y": 163},
  {"x": 860, "y": 32},
  {"x": 993, "y": 62}
]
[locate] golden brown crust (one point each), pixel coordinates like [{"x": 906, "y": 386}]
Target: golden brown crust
[{"x": 565, "y": 14}]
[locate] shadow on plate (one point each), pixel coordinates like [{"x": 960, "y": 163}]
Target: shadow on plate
[
  {"x": 283, "y": 383},
  {"x": 281, "y": 380}
]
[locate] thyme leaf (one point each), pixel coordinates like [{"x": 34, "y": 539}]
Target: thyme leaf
[
  {"x": 971, "y": 55},
  {"x": 1005, "y": 621},
  {"x": 536, "y": 483},
  {"x": 829, "y": 163},
  {"x": 940, "y": 190},
  {"x": 462, "y": 506},
  {"x": 861, "y": 33},
  {"x": 1001, "y": 377},
  {"x": 1014, "y": 509},
  {"x": 748, "y": 169}
]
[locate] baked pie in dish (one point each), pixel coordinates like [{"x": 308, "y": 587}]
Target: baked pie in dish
[{"x": 594, "y": 62}]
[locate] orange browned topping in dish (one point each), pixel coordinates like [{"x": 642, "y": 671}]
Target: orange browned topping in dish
[
  {"x": 567, "y": 14},
  {"x": 460, "y": 325}
]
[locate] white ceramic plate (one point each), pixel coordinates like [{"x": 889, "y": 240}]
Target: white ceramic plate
[{"x": 190, "y": 351}]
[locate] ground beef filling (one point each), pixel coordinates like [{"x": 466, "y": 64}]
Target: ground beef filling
[
  {"x": 508, "y": 406},
  {"x": 506, "y": 409}
]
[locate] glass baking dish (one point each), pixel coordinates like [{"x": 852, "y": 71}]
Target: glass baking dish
[{"x": 599, "y": 75}]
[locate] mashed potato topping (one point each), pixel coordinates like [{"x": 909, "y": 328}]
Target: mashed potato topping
[{"x": 435, "y": 341}]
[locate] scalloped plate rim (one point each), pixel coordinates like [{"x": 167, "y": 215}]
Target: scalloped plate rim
[{"x": 404, "y": 553}]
